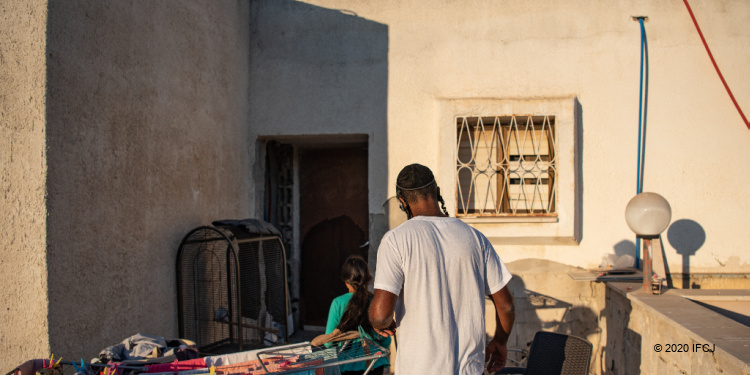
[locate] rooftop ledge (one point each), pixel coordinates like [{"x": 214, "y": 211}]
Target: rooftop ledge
[{"x": 694, "y": 324}]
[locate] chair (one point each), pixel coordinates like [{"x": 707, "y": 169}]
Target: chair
[{"x": 555, "y": 353}]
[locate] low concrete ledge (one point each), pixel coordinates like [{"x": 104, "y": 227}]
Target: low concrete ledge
[{"x": 678, "y": 335}]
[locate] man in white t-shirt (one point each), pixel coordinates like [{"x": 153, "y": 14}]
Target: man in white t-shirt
[{"x": 434, "y": 272}]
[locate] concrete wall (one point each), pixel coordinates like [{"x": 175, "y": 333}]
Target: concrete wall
[
  {"x": 320, "y": 76},
  {"x": 146, "y": 132},
  {"x": 23, "y": 263},
  {"x": 548, "y": 299},
  {"x": 517, "y": 50},
  {"x": 318, "y": 72},
  {"x": 670, "y": 334}
]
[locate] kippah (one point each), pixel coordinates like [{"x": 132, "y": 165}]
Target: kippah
[{"x": 414, "y": 177}]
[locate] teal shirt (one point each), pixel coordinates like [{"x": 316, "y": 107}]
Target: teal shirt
[{"x": 338, "y": 306}]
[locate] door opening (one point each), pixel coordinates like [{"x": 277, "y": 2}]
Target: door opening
[{"x": 322, "y": 199}]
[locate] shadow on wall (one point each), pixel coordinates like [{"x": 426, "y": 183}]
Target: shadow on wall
[
  {"x": 686, "y": 237},
  {"x": 319, "y": 83},
  {"x": 317, "y": 71},
  {"x": 541, "y": 312},
  {"x": 621, "y": 354}
]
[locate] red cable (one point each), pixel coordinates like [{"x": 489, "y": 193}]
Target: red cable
[{"x": 716, "y": 66}]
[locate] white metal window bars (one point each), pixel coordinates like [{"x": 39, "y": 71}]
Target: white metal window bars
[{"x": 506, "y": 166}]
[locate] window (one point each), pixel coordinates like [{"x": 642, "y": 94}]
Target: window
[
  {"x": 513, "y": 168},
  {"x": 506, "y": 166}
]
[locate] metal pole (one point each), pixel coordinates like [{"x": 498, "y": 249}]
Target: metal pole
[{"x": 647, "y": 265}]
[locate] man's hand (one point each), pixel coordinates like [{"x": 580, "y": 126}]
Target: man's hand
[
  {"x": 496, "y": 354},
  {"x": 388, "y": 331}
]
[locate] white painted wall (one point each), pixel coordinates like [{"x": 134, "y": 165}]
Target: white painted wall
[{"x": 697, "y": 144}]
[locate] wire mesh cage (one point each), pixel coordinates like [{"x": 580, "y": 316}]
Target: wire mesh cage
[{"x": 232, "y": 287}]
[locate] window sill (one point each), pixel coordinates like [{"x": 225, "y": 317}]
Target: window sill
[{"x": 508, "y": 219}]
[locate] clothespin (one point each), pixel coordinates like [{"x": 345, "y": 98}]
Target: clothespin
[
  {"x": 212, "y": 370},
  {"x": 78, "y": 369},
  {"x": 52, "y": 363}
]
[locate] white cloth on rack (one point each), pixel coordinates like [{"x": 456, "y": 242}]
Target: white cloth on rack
[{"x": 138, "y": 346}]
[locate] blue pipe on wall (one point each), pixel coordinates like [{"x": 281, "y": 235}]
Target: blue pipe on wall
[{"x": 642, "y": 97}]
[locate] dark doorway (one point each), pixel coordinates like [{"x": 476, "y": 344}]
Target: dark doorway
[{"x": 334, "y": 223}]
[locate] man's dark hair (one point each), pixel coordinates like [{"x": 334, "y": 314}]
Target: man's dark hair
[{"x": 415, "y": 182}]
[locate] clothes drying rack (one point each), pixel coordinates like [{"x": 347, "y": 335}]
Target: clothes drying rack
[
  {"x": 297, "y": 358},
  {"x": 300, "y": 358}
]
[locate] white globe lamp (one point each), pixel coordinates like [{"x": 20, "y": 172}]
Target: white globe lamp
[{"x": 648, "y": 215}]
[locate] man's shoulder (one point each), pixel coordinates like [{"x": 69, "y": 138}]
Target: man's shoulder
[{"x": 431, "y": 224}]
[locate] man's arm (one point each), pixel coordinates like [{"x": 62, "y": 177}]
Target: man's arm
[
  {"x": 381, "y": 312},
  {"x": 497, "y": 348}
]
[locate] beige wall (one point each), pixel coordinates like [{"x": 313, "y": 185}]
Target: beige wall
[
  {"x": 696, "y": 142},
  {"x": 146, "y": 132},
  {"x": 23, "y": 264},
  {"x": 487, "y": 53}
]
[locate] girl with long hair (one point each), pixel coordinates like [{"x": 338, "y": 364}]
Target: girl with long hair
[{"x": 349, "y": 312}]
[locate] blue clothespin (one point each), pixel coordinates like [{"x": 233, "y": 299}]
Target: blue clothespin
[{"x": 79, "y": 369}]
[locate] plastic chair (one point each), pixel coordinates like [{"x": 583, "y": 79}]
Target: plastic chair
[{"x": 555, "y": 353}]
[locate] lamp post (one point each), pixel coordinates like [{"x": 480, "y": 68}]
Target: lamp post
[{"x": 648, "y": 215}]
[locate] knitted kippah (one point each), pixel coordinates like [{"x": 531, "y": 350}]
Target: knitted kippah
[{"x": 414, "y": 177}]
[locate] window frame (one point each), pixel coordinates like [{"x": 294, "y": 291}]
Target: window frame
[{"x": 562, "y": 229}]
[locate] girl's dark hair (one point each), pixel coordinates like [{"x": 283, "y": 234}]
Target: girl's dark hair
[{"x": 356, "y": 273}]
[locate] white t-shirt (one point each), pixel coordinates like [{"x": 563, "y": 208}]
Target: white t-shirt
[{"x": 441, "y": 269}]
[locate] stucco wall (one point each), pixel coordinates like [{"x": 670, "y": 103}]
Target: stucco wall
[
  {"x": 670, "y": 334},
  {"x": 448, "y": 50},
  {"x": 319, "y": 71},
  {"x": 548, "y": 299},
  {"x": 23, "y": 264},
  {"x": 146, "y": 125}
]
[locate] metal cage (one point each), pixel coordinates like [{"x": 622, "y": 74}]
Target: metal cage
[{"x": 232, "y": 291}]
